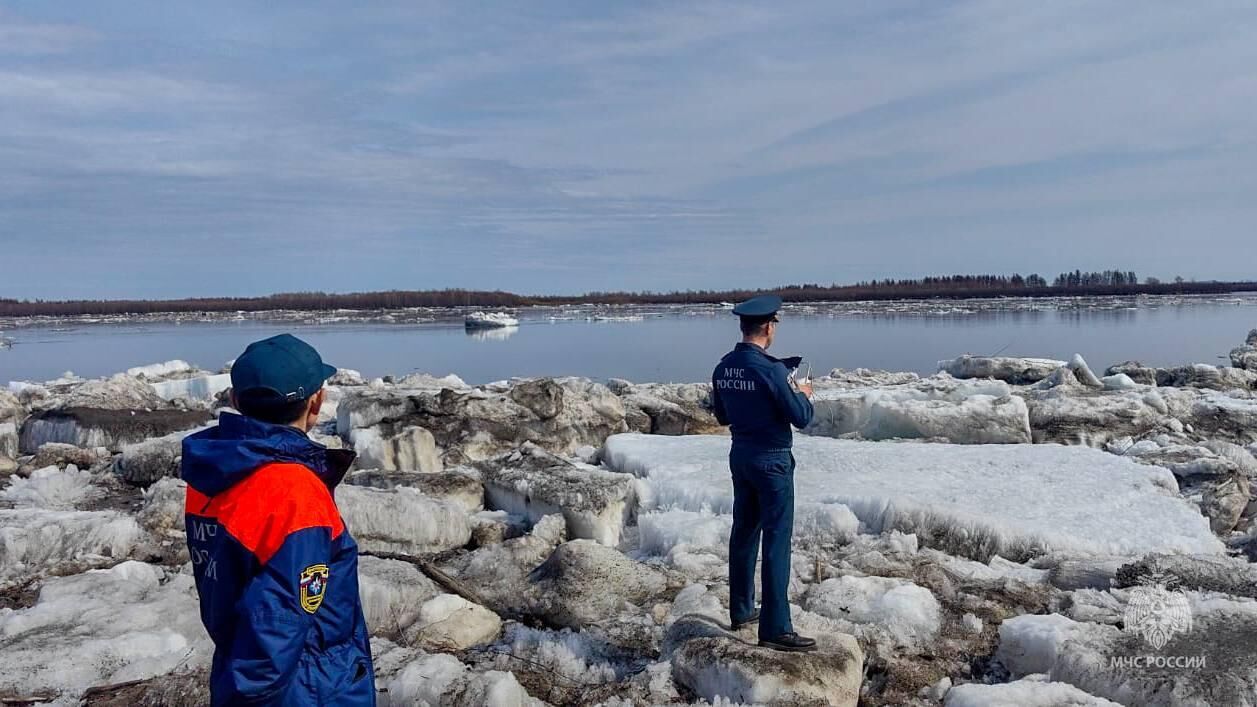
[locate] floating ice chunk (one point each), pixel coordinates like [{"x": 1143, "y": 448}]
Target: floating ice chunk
[
  {"x": 52, "y": 489},
  {"x": 1017, "y": 501},
  {"x": 130, "y": 622},
  {"x": 908, "y": 613},
  {"x": 1023, "y": 693}
]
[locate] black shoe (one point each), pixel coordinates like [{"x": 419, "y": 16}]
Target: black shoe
[
  {"x": 752, "y": 619},
  {"x": 790, "y": 642}
]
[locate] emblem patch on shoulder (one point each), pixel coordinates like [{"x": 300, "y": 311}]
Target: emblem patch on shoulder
[{"x": 313, "y": 587}]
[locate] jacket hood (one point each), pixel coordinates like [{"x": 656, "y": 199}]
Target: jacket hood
[{"x": 220, "y": 457}]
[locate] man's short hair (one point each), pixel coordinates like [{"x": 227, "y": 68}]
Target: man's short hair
[
  {"x": 752, "y": 326},
  {"x": 284, "y": 413}
]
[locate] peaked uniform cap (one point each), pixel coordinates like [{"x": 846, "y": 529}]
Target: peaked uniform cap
[{"x": 762, "y": 306}]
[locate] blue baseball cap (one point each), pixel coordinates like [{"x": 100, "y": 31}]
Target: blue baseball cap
[
  {"x": 762, "y": 306},
  {"x": 278, "y": 370}
]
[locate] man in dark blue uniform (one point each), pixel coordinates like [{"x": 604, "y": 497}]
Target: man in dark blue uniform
[{"x": 752, "y": 393}]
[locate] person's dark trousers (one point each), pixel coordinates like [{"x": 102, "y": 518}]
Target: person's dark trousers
[{"x": 763, "y": 505}]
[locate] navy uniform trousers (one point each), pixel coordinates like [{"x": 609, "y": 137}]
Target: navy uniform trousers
[{"x": 763, "y": 507}]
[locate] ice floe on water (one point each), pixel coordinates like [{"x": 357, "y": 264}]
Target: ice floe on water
[{"x": 1017, "y": 501}]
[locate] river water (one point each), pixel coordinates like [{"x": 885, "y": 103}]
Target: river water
[{"x": 679, "y": 343}]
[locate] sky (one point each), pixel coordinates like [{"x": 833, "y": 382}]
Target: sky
[{"x": 169, "y": 149}]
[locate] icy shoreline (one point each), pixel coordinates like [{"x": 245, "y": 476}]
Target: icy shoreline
[{"x": 956, "y": 536}]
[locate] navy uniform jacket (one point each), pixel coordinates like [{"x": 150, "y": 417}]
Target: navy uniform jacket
[
  {"x": 275, "y": 567},
  {"x": 751, "y": 393}
]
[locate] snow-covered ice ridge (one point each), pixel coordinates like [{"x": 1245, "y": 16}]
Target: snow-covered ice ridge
[{"x": 1016, "y": 501}]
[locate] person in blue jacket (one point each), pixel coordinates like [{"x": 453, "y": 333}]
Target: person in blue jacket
[
  {"x": 276, "y": 569},
  {"x": 753, "y": 394}
]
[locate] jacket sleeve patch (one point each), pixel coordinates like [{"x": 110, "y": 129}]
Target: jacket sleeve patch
[{"x": 313, "y": 587}]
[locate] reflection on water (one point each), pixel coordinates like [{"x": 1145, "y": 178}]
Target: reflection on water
[
  {"x": 495, "y": 334},
  {"x": 658, "y": 343}
]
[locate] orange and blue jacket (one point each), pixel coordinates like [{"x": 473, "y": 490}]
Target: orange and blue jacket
[{"x": 275, "y": 567}]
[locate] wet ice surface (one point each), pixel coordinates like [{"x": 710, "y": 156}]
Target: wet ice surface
[{"x": 934, "y": 567}]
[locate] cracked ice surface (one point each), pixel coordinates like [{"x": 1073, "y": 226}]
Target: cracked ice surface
[{"x": 1017, "y": 501}]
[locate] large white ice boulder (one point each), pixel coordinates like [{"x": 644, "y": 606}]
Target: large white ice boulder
[
  {"x": 449, "y": 623},
  {"x": 1016, "y": 501},
  {"x": 909, "y": 614}
]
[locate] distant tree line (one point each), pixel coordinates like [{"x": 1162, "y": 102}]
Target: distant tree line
[{"x": 1078, "y": 283}]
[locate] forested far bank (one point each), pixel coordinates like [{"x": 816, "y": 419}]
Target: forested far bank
[{"x": 1077, "y": 283}]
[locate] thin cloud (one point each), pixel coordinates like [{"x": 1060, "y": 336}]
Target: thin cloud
[{"x": 569, "y": 146}]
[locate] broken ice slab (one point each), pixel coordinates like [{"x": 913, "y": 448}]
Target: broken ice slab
[
  {"x": 195, "y": 388},
  {"x": 1016, "y": 501},
  {"x": 98, "y": 427},
  {"x": 597, "y": 504},
  {"x": 963, "y": 412},
  {"x": 402, "y": 520}
]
